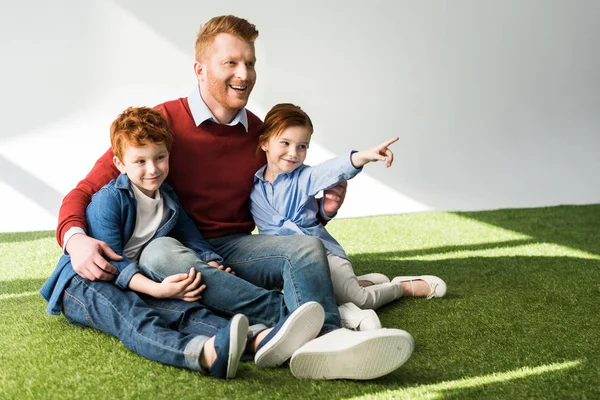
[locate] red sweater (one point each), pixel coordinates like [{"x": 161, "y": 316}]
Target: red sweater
[{"x": 212, "y": 170}]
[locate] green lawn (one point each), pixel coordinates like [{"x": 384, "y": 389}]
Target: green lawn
[{"x": 520, "y": 319}]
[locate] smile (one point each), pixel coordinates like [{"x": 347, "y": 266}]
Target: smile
[{"x": 239, "y": 88}]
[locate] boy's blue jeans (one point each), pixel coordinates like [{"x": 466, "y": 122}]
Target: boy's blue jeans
[
  {"x": 298, "y": 264},
  {"x": 168, "y": 331}
]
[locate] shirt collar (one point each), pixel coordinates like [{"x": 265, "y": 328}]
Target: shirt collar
[
  {"x": 260, "y": 174},
  {"x": 123, "y": 182},
  {"x": 201, "y": 112}
]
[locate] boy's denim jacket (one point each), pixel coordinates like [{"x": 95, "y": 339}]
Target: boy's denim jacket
[{"x": 111, "y": 218}]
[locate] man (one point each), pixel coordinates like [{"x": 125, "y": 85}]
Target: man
[{"x": 213, "y": 161}]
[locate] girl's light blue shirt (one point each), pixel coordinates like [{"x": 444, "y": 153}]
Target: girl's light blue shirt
[{"x": 288, "y": 206}]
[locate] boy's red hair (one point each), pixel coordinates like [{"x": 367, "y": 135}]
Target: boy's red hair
[{"x": 139, "y": 126}]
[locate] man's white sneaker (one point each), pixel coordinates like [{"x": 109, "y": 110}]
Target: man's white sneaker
[
  {"x": 437, "y": 285},
  {"x": 289, "y": 334},
  {"x": 374, "y": 277},
  {"x": 346, "y": 354},
  {"x": 359, "y": 320}
]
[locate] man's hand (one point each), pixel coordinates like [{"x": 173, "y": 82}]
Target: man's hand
[
  {"x": 87, "y": 258},
  {"x": 333, "y": 198},
  {"x": 222, "y": 268},
  {"x": 182, "y": 286}
]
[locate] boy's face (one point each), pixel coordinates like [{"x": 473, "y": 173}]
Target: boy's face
[
  {"x": 227, "y": 72},
  {"x": 146, "y": 167},
  {"x": 287, "y": 151}
]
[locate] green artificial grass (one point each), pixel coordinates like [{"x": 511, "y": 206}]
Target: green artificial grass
[{"x": 520, "y": 319}]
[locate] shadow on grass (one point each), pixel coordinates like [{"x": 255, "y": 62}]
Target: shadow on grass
[
  {"x": 504, "y": 313},
  {"x": 16, "y": 237},
  {"x": 445, "y": 249},
  {"x": 17, "y": 286},
  {"x": 577, "y": 227},
  {"x": 509, "y": 314}
]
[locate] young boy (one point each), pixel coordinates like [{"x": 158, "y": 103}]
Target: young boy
[
  {"x": 283, "y": 203},
  {"x": 170, "y": 325}
]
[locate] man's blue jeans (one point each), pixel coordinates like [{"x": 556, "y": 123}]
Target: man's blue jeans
[{"x": 296, "y": 264}]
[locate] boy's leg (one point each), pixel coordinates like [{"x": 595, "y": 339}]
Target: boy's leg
[
  {"x": 298, "y": 264},
  {"x": 193, "y": 317},
  {"x": 138, "y": 326},
  {"x": 348, "y": 290},
  {"x": 225, "y": 293}
]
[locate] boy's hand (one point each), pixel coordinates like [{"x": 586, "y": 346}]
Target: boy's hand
[
  {"x": 378, "y": 153},
  {"x": 221, "y": 267},
  {"x": 87, "y": 258},
  {"x": 182, "y": 286}
]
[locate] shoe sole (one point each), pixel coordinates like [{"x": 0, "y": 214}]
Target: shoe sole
[
  {"x": 370, "y": 359},
  {"x": 301, "y": 327},
  {"x": 237, "y": 343}
]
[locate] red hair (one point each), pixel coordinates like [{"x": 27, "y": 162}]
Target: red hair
[
  {"x": 139, "y": 126},
  {"x": 230, "y": 24},
  {"x": 281, "y": 117}
]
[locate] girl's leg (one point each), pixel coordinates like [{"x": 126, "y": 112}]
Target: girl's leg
[{"x": 348, "y": 290}]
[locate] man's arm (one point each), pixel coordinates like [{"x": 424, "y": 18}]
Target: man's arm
[{"x": 86, "y": 252}]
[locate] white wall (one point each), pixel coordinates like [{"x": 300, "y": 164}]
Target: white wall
[{"x": 497, "y": 103}]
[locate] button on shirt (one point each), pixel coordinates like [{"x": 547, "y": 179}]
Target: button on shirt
[{"x": 288, "y": 205}]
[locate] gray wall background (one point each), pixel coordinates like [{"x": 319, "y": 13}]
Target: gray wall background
[{"x": 497, "y": 103}]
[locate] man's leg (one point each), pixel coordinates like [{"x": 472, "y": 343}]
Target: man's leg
[
  {"x": 226, "y": 294},
  {"x": 298, "y": 264},
  {"x": 142, "y": 329}
]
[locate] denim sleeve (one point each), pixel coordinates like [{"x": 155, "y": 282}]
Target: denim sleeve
[
  {"x": 104, "y": 219},
  {"x": 186, "y": 232}
]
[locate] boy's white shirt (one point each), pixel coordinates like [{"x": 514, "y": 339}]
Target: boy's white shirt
[{"x": 147, "y": 220}]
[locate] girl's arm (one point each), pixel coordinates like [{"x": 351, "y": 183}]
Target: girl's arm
[{"x": 378, "y": 153}]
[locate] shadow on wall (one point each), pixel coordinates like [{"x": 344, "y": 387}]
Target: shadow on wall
[
  {"x": 485, "y": 119},
  {"x": 50, "y": 65},
  {"x": 48, "y": 198}
]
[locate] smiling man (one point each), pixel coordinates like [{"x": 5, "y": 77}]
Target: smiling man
[{"x": 212, "y": 165}]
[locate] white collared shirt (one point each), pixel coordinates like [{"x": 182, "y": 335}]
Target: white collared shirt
[{"x": 201, "y": 112}]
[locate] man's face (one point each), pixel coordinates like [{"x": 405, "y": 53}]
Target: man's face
[{"x": 226, "y": 73}]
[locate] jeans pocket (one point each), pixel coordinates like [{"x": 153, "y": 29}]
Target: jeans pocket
[{"x": 75, "y": 311}]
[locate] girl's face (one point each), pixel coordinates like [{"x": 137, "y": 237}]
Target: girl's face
[{"x": 287, "y": 151}]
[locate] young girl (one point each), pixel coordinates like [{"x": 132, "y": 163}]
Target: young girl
[{"x": 283, "y": 203}]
